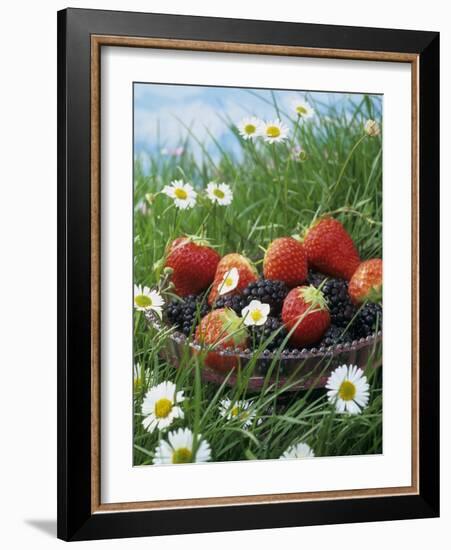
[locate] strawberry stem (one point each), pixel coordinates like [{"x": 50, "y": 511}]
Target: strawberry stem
[{"x": 314, "y": 297}]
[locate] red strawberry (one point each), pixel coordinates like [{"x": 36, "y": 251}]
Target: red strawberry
[
  {"x": 285, "y": 260},
  {"x": 245, "y": 271},
  {"x": 193, "y": 263},
  {"x": 223, "y": 329},
  {"x": 305, "y": 310},
  {"x": 366, "y": 283},
  {"x": 330, "y": 249}
]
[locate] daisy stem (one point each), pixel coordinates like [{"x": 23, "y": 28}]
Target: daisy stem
[
  {"x": 343, "y": 168},
  {"x": 254, "y": 153},
  {"x": 136, "y": 323},
  {"x": 197, "y": 405},
  {"x": 174, "y": 231},
  {"x": 285, "y": 185},
  {"x": 323, "y": 438},
  {"x": 295, "y": 131}
]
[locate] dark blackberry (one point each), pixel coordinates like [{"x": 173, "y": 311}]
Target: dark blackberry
[
  {"x": 232, "y": 301},
  {"x": 266, "y": 291},
  {"x": 185, "y": 314},
  {"x": 368, "y": 319},
  {"x": 341, "y": 309},
  {"x": 259, "y": 334},
  {"x": 314, "y": 278},
  {"x": 335, "y": 335}
]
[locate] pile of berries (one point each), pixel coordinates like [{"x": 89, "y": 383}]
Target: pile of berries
[
  {"x": 368, "y": 320},
  {"x": 232, "y": 301},
  {"x": 270, "y": 336},
  {"x": 186, "y": 313},
  {"x": 336, "y": 335},
  {"x": 267, "y": 291},
  {"x": 341, "y": 308},
  {"x": 315, "y": 293}
]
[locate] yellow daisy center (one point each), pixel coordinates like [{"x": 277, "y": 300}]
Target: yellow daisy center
[
  {"x": 218, "y": 193},
  {"x": 163, "y": 407},
  {"x": 143, "y": 301},
  {"x": 273, "y": 131},
  {"x": 235, "y": 411},
  {"x": 182, "y": 455},
  {"x": 181, "y": 193},
  {"x": 250, "y": 128},
  {"x": 256, "y": 315},
  {"x": 228, "y": 281},
  {"x": 301, "y": 110},
  {"x": 347, "y": 391}
]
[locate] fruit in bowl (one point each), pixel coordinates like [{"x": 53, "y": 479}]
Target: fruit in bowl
[
  {"x": 233, "y": 273},
  {"x": 295, "y": 319},
  {"x": 306, "y": 315},
  {"x": 285, "y": 260},
  {"x": 193, "y": 264},
  {"x": 330, "y": 249},
  {"x": 219, "y": 330},
  {"x": 366, "y": 282}
]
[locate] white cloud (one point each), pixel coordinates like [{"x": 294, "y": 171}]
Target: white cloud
[{"x": 173, "y": 124}]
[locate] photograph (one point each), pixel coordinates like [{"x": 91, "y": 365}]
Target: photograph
[{"x": 257, "y": 299}]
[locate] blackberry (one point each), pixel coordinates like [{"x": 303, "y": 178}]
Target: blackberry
[
  {"x": 314, "y": 278},
  {"x": 185, "y": 314},
  {"x": 367, "y": 319},
  {"x": 259, "y": 334},
  {"x": 341, "y": 309},
  {"x": 232, "y": 301},
  {"x": 266, "y": 291},
  {"x": 335, "y": 335}
]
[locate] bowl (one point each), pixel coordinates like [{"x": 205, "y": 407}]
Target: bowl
[{"x": 294, "y": 369}]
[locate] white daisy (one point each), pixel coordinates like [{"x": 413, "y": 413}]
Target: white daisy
[
  {"x": 249, "y": 127},
  {"x": 302, "y": 109},
  {"x": 237, "y": 410},
  {"x": 301, "y": 450},
  {"x": 229, "y": 281},
  {"x": 372, "y": 128},
  {"x": 348, "y": 389},
  {"x": 146, "y": 299},
  {"x": 255, "y": 313},
  {"x": 179, "y": 449},
  {"x": 183, "y": 194},
  {"x": 274, "y": 131},
  {"x": 219, "y": 193},
  {"x": 160, "y": 406}
]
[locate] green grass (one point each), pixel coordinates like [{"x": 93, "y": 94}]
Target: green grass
[{"x": 274, "y": 196}]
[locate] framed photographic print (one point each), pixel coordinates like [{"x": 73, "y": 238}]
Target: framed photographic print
[{"x": 248, "y": 274}]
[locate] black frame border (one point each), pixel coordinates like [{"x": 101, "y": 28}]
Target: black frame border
[{"x": 75, "y": 520}]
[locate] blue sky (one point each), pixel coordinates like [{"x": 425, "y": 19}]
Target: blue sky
[{"x": 162, "y": 113}]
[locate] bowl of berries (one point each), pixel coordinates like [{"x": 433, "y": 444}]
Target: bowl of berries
[{"x": 314, "y": 307}]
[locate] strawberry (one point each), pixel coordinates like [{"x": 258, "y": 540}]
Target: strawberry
[
  {"x": 193, "y": 265},
  {"x": 305, "y": 311},
  {"x": 366, "y": 283},
  {"x": 242, "y": 268},
  {"x": 330, "y": 249},
  {"x": 285, "y": 260},
  {"x": 223, "y": 329}
]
